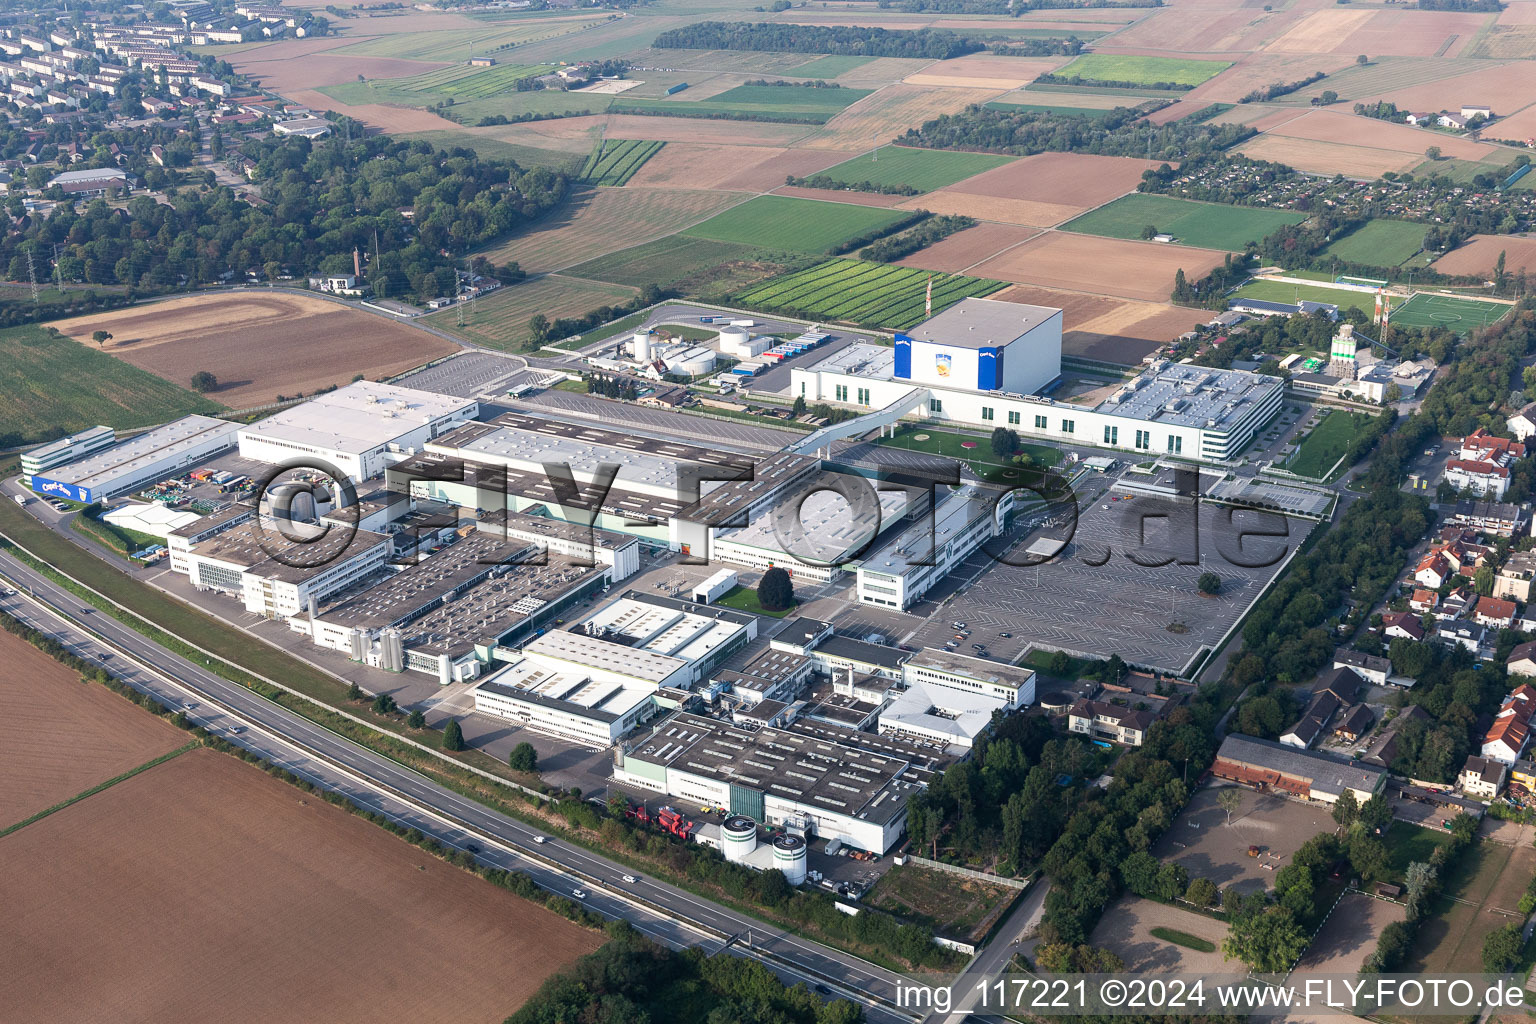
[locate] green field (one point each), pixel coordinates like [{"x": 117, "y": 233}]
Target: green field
[
  {"x": 662, "y": 262},
  {"x": 1285, "y": 291},
  {"x": 1380, "y": 243},
  {"x": 615, "y": 161},
  {"x": 1207, "y": 225},
  {"x": 1407, "y": 842},
  {"x": 52, "y": 385},
  {"x": 461, "y": 44},
  {"x": 874, "y": 294},
  {"x": 980, "y": 458},
  {"x": 925, "y": 169},
  {"x": 1105, "y": 67},
  {"x": 461, "y": 81},
  {"x": 1046, "y": 108},
  {"x": 1179, "y": 938},
  {"x": 501, "y": 319},
  {"x": 495, "y": 149},
  {"x": 798, "y": 225},
  {"x": 827, "y": 67},
  {"x": 1326, "y": 443},
  {"x": 768, "y": 102},
  {"x": 1458, "y": 314}
]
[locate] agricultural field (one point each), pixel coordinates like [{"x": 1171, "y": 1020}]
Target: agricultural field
[
  {"x": 1105, "y": 266},
  {"x": 600, "y": 221},
  {"x": 872, "y": 294},
  {"x": 662, "y": 262},
  {"x": 1205, "y": 225},
  {"x": 800, "y": 105},
  {"x": 239, "y": 895},
  {"x": 500, "y": 320},
  {"x": 1326, "y": 444},
  {"x": 826, "y": 67},
  {"x": 1480, "y": 254},
  {"x": 1105, "y": 67},
  {"x": 258, "y": 344},
  {"x": 461, "y": 44},
  {"x": 798, "y": 225},
  {"x": 1380, "y": 243},
  {"x": 1039, "y": 190},
  {"x": 107, "y": 735},
  {"x": 1454, "y": 312},
  {"x": 457, "y": 82},
  {"x": 925, "y": 169},
  {"x": 54, "y": 385},
  {"x": 1110, "y": 330},
  {"x": 615, "y": 161}
]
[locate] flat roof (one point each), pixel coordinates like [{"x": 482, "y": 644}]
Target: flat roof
[
  {"x": 809, "y": 770},
  {"x": 257, "y": 548},
  {"x": 143, "y": 450},
  {"x": 494, "y": 608},
  {"x": 591, "y": 652},
  {"x": 408, "y": 592},
  {"x": 570, "y": 692},
  {"x": 64, "y": 444},
  {"x": 958, "y": 509},
  {"x": 982, "y": 323},
  {"x": 860, "y": 359},
  {"x": 861, "y": 651},
  {"x": 357, "y": 418},
  {"x": 957, "y": 715},
  {"x": 981, "y": 669},
  {"x": 536, "y": 522},
  {"x": 1189, "y": 396},
  {"x": 831, "y": 530}
]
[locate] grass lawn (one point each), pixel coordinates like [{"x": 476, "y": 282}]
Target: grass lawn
[
  {"x": 1105, "y": 67},
  {"x": 1448, "y": 311},
  {"x": 980, "y": 458},
  {"x": 1407, "y": 843},
  {"x": 1327, "y": 441},
  {"x": 501, "y": 320},
  {"x": 124, "y": 542},
  {"x": 1380, "y": 243},
  {"x": 1179, "y": 938},
  {"x": 52, "y": 385},
  {"x": 1285, "y": 291},
  {"x": 1208, "y": 225},
  {"x": 799, "y": 225},
  {"x": 1040, "y": 661},
  {"x": 926, "y": 169},
  {"x": 744, "y": 599},
  {"x": 766, "y": 102},
  {"x": 829, "y": 66},
  {"x": 952, "y": 905}
]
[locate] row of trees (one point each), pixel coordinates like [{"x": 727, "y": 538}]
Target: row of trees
[
  {"x": 1121, "y": 132},
  {"x": 862, "y": 41}
]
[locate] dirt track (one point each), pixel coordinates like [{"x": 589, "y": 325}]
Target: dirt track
[{"x": 258, "y": 344}]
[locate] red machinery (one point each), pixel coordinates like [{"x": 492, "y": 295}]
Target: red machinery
[
  {"x": 639, "y": 813},
  {"x": 675, "y": 823}
]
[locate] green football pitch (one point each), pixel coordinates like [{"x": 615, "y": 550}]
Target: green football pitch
[{"x": 1425, "y": 310}]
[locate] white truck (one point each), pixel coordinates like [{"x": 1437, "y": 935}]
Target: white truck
[
  {"x": 22, "y": 499},
  {"x": 743, "y": 323}
]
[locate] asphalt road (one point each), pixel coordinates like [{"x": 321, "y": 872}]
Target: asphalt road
[{"x": 381, "y": 784}]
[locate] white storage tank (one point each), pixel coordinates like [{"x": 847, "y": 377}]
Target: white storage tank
[
  {"x": 789, "y": 857},
  {"x": 738, "y": 838},
  {"x": 694, "y": 361},
  {"x": 642, "y": 346}
]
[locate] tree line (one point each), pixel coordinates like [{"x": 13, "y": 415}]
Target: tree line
[
  {"x": 848, "y": 40},
  {"x": 1122, "y": 132}
]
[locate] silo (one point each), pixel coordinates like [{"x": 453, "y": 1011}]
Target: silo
[
  {"x": 733, "y": 342},
  {"x": 789, "y": 857},
  {"x": 642, "y": 346},
  {"x": 738, "y": 837},
  {"x": 695, "y": 362}
]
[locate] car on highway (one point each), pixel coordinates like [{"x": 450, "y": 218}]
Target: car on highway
[
  {"x": 823, "y": 990},
  {"x": 541, "y": 839},
  {"x": 472, "y": 847},
  {"x": 187, "y": 705},
  {"x": 631, "y": 879},
  {"x": 237, "y": 729},
  {"x": 579, "y": 894}
]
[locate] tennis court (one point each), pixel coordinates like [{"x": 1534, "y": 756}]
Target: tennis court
[{"x": 1425, "y": 310}]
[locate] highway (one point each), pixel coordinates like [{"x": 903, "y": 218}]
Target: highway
[{"x": 661, "y": 911}]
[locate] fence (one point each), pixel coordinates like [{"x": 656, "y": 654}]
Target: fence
[{"x": 955, "y": 869}]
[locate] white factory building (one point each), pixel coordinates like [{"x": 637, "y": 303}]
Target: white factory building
[
  {"x": 950, "y": 698},
  {"x": 819, "y": 547},
  {"x": 141, "y": 460},
  {"x": 975, "y": 374},
  {"x": 360, "y": 429},
  {"x": 65, "y": 450},
  {"x": 904, "y": 567},
  {"x": 597, "y": 680}
]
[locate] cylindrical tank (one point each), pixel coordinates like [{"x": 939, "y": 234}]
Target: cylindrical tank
[
  {"x": 696, "y": 362},
  {"x": 789, "y": 857},
  {"x": 642, "y": 345},
  {"x": 292, "y": 501},
  {"x": 732, "y": 339},
  {"x": 738, "y": 837}
]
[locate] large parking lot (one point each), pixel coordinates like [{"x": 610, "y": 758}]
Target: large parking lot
[
  {"x": 1206, "y": 846},
  {"x": 1099, "y": 596},
  {"x": 467, "y": 375}
]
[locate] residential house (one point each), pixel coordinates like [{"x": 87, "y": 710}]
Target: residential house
[
  {"x": 1522, "y": 660},
  {"x": 1312, "y": 722},
  {"x": 1455, "y": 121},
  {"x": 1402, "y": 624},
  {"x": 1384, "y": 749},
  {"x": 1357, "y": 721},
  {"x": 1367, "y": 666},
  {"x": 1481, "y": 446},
  {"x": 1523, "y": 423},
  {"x": 1421, "y": 118},
  {"x": 1513, "y": 582},
  {"x": 1484, "y": 479},
  {"x": 1433, "y": 570},
  {"x": 1456, "y": 604},
  {"x": 1506, "y": 739},
  {"x": 1482, "y": 777},
  {"x": 1494, "y": 613},
  {"x": 1424, "y": 600},
  {"x": 1109, "y": 722},
  {"x": 1470, "y": 635},
  {"x": 1491, "y": 517}
]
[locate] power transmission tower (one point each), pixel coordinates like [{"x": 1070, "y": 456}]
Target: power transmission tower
[{"x": 32, "y": 272}]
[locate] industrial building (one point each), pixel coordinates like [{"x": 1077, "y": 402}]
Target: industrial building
[
  {"x": 598, "y": 679},
  {"x": 360, "y": 429},
  {"x": 137, "y": 462},
  {"x": 817, "y": 547},
  {"x": 580, "y": 545},
  {"x": 901, "y": 571},
  {"x": 65, "y": 450},
  {"x": 987, "y": 367},
  {"x": 774, "y": 775}
]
